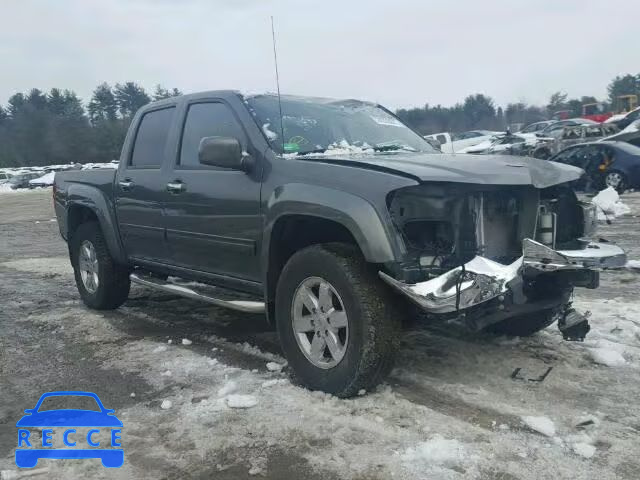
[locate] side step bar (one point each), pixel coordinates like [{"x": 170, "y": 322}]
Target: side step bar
[{"x": 248, "y": 306}]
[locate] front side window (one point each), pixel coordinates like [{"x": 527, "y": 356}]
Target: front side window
[
  {"x": 151, "y": 138},
  {"x": 312, "y": 125},
  {"x": 207, "y": 120}
]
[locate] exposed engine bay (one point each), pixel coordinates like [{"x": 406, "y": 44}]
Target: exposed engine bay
[{"x": 487, "y": 253}]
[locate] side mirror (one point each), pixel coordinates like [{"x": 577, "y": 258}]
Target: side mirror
[{"x": 224, "y": 152}]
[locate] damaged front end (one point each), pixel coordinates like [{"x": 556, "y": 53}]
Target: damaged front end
[{"x": 490, "y": 254}]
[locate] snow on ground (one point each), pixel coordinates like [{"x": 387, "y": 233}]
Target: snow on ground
[
  {"x": 450, "y": 410},
  {"x": 471, "y": 429},
  {"x": 541, "y": 425}
]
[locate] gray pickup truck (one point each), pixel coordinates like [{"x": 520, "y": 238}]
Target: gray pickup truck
[{"x": 329, "y": 216}]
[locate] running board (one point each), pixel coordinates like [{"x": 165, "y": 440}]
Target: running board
[{"x": 189, "y": 291}]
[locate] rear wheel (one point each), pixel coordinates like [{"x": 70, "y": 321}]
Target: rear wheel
[
  {"x": 524, "y": 325},
  {"x": 335, "y": 323},
  {"x": 101, "y": 282}
]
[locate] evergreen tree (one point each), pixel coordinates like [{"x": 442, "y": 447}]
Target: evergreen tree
[
  {"x": 130, "y": 97},
  {"x": 103, "y": 105}
]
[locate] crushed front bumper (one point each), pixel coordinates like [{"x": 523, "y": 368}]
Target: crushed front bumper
[{"x": 482, "y": 280}]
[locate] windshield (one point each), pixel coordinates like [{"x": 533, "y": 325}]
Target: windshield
[{"x": 317, "y": 125}]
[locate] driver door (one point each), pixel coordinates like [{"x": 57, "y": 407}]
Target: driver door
[{"x": 212, "y": 214}]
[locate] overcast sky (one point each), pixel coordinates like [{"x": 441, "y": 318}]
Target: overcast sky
[{"x": 399, "y": 53}]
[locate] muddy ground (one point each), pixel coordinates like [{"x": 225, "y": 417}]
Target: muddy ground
[{"x": 451, "y": 409}]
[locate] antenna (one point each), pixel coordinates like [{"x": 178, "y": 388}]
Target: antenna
[{"x": 275, "y": 61}]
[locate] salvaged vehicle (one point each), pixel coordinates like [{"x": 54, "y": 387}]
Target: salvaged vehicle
[
  {"x": 606, "y": 163},
  {"x": 572, "y": 135},
  {"x": 328, "y": 218}
]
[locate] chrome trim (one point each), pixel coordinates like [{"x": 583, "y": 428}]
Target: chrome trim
[
  {"x": 248, "y": 306},
  {"x": 484, "y": 279},
  {"x": 594, "y": 256}
]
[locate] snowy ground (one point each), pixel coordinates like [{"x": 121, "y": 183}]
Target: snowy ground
[{"x": 202, "y": 394}]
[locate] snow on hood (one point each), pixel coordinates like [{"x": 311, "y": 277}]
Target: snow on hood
[
  {"x": 459, "y": 168},
  {"x": 46, "y": 179},
  {"x": 632, "y": 127}
]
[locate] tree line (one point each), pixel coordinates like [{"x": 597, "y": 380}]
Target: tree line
[
  {"x": 480, "y": 112},
  {"x": 47, "y": 128},
  {"x": 50, "y": 128}
]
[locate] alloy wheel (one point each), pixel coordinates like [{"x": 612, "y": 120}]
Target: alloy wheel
[{"x": 319, "y": 321}]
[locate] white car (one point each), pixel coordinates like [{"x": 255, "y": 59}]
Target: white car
[
  {"x": 454, "y": 142},
  {"x": 44, "y": 181}
]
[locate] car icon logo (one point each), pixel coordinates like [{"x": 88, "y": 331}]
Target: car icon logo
[{"x": 69, "y": 424}]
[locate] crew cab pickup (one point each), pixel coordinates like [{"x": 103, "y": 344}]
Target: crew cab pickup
[{"x": 328, "y": 215}]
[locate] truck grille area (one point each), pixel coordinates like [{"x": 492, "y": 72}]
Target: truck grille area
[{"x": 444, "y": 226}]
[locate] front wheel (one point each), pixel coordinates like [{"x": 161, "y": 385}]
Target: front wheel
[
  {"x": 335, "y": 321},
  {"x": 102, "y": 283}
]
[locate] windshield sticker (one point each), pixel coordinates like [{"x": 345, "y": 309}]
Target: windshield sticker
[{"x": 291, "y": 147}]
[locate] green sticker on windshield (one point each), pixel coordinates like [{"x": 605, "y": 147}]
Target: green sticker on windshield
[{"x": 291, "y": 147}]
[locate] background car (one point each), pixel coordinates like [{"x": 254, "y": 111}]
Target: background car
[
  {"x": 555, "y": 129},
  {"x": 5, "y": 177},
  {"x": 606, "y": 163},
  {"x": 21, "y": 180},
  {"x": 455, "y": 142},
  {"x": 572, "y": 135},
  {"x": 623, "y": 121},
  {"x": 537, "y": 126},
  {"x": 45, "y": 180}
]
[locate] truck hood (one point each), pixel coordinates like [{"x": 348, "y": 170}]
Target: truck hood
[{"x": 461, "y": 168}]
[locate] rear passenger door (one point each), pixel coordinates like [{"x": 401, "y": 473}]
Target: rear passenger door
[
  {"x": 140, "y": 187},
  {"x": 213, "y": 218}
]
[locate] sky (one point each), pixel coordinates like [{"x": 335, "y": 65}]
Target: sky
[{"x": 398, "y": 53}]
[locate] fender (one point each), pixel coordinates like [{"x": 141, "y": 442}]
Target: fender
[
  {"x": 353, "y": 212},
  {"x": 99, "y": 203}
]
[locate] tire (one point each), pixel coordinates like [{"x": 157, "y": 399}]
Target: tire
[
  {"x": 112, "y": 288},
  {"x": 372, "y": 336},
  {"x": 615, "y": 179},
  {"x": 525, "y": 325}
]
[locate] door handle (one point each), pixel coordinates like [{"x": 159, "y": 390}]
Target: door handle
[
  {"x": 126, "y": 184},
  {"x": 176, "y": 187}
]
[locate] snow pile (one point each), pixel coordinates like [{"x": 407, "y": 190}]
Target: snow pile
[
  {"x": 241, "y": 401},
  {"x": 633, "y": 265},
  {"x": 584, "y": 449},
  {"x": 274, "y": 367},
  {"x": 228, "y": 388},
  {"x": 435, "y": 451},
  {"x": 543, "y": 425},
  {"x": 607, "y": 356},
  {"x": 270, "y": 134},
  {"x": 609, "y": 204},
  {"x": 340, "y": 148}
]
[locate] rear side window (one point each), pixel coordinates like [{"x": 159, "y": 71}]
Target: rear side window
[
  {"x": 151, "y": 138},
  {"x": 441, "y": 138},
  {"x": 207, "y": 120}
]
